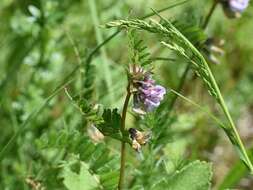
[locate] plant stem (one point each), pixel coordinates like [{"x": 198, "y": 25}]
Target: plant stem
[
  {"x": 208, "y": 17},
  {"x": 187, "y": 69},
  {"x": 246, "y": 158},
  {"x": 123, "y": 117},
  {"x": 180, "y": 86},
  {"x": 123, "y": 144}
]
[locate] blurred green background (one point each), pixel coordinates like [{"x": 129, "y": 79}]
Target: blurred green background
[{"x": 36, "y": 55}]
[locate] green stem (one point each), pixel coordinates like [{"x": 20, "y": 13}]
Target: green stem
[
  {"x": 180, "y": 86},
  {"x": 162, "y": 59},
  {"x": 122, "y": 166},
  {"x": 209, "y": 15},
  {"x": 237, "y": 136},
  {"x": 123, "y": 144},
  {"x": 199, "y": 107}
]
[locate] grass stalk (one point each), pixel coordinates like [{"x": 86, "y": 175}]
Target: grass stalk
[
  {"x": 187, "y": 68},
  {"x": 99, "y": 37},
  {"x": 230, "y": 130}
]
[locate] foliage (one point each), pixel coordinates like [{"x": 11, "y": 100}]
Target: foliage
[
  {"x": 63, "y": 83},
  {"x": 139, "y": 54},
  {"x": 193, "y": 176},
  {"x": 78, "y": 181},
  {"x": 95, "y": 163}
]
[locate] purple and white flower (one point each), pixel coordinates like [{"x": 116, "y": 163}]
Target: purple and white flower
[
  {"x": 147, "y": 95},
  {"x": 238, "y": 5},
  {"x": 234, "y": 8}
]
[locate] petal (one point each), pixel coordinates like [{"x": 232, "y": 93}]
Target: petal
[
  {"x": 149, "y": 102},
  {"x": 139, "y": 111},
  {"x": 160, "y": 89}
]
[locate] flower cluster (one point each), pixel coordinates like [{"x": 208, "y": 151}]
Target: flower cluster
[
  {"x": 147, "y": 95},
  {"x": 234, "y": 8}
]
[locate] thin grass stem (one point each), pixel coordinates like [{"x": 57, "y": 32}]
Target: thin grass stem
[
  {"x": 187, "y": 68},
  {"x": 199, "y": 107}
]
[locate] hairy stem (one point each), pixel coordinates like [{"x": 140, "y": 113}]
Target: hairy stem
[
  {"x": 187, "y": 69},
  {"x": 123, "y": 144}
]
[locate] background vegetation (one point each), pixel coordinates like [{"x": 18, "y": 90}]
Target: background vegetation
[{"x": 47, "y": 60}]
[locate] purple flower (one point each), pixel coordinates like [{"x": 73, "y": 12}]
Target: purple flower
[
  {"x": 148, "y": 95},
  {"x": 234, "y": 8},
  {"x": 238, "y": 5}
]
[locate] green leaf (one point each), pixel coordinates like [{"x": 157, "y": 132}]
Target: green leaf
[
  {"x": 90, "y": 112},
  {"x": 138, "y": 49},
  {"x": 82, "y": 181},
  {"x": 233, "y": 177},
  {"x": 88, "y": 84},
  {"x": 108, "y": 124},
  {"x": 194, "y": 176},
  {"x": 111, "y": 125},
  {"x": 236, "y": 173}
]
